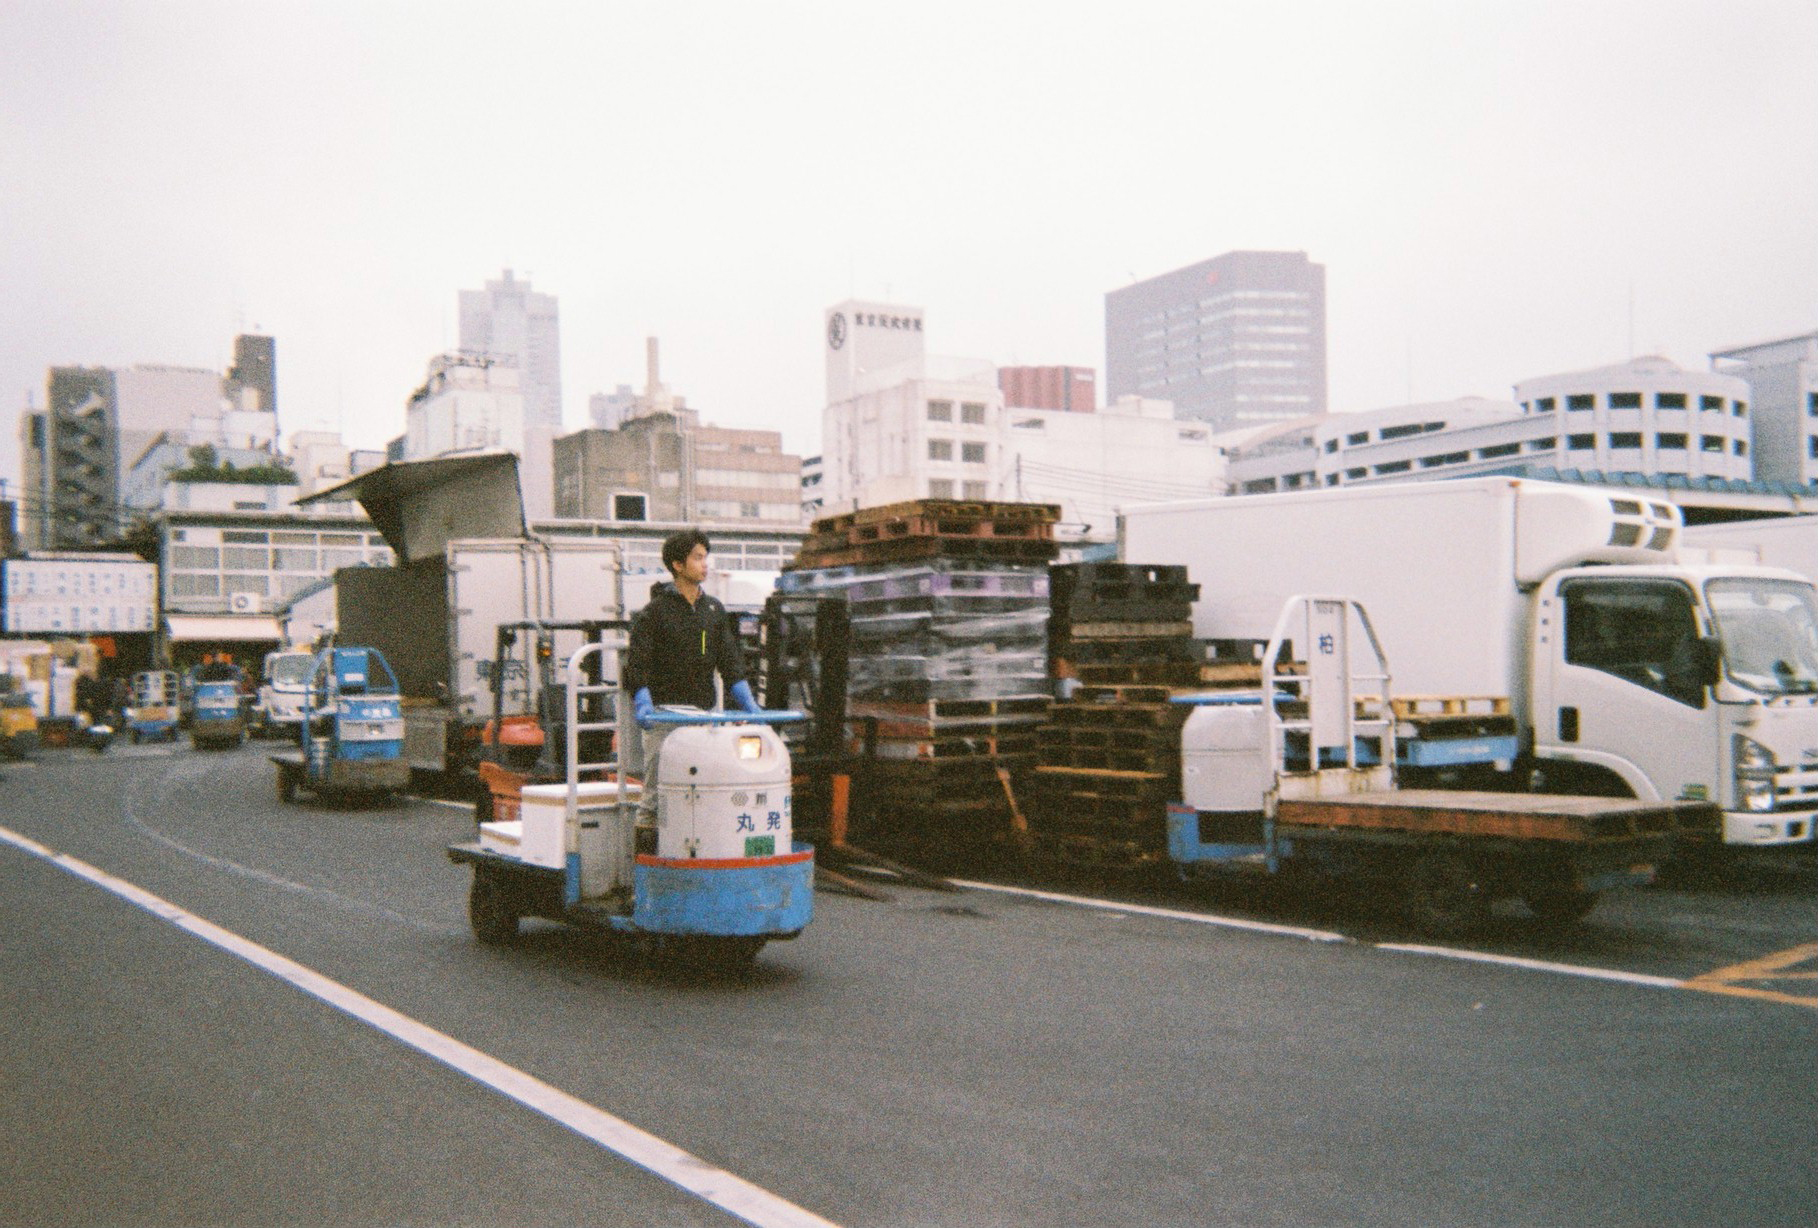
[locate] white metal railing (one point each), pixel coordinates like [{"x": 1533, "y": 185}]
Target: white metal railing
[{"x": 1342, "y": 702}]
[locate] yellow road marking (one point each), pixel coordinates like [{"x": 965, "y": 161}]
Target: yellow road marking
[{"x": 1770, "y": 968}]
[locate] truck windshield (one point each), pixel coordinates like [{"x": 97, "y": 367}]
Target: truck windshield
[
  {"x": 1770, "y": 633},
  {"x": 290, "y": 670}
]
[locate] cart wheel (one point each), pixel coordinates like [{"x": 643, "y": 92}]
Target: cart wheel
[
  {"x": 287, "y": 784},
  {"x": 1444, "y": 896},
  {"x": 492, "y": 908},
  {"x": 482, "y": 806},
  {"x": 1560, "y": 907}
]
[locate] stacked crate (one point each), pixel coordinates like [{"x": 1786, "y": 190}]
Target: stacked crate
[
  {"x": 1108, "y": 758},
  {"x": 948, "y": 671}
]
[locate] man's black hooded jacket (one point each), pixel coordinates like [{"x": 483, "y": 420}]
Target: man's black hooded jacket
[{"x": 676, "y": 647}]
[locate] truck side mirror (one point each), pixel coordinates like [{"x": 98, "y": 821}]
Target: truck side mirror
[{"x": 1710, "y": 660}]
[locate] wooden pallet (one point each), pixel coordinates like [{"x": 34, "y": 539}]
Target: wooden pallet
[
  {"x": 1039, "y": 513},
  {"x": 952, "y": 746},
  {"x": 1165, "y": 716},
  {"x": 1134, "y": 630},
  {"x": 1122, "y": 693},
  {"x": 1102, "y": 783},
  {"x": 916, "y": 549},
  {"x": 1165, "y": 674}
]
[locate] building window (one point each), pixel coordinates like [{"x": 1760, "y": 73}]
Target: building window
[
  {"x": 1356, "y": 475},
  {"x": 1360, "y": 438},
  {"x": 940, "y": 411},
  {"x": 1811, "y": 404},
  {"x": 1543, "y": 445},
  {"x": 1625, "y": 439},
  {"x": 1669, "y": 400},
  {"x": 974, "y": 490},
  {"x": 1672, "y": 440},
  {"x": 1625, "y": 400},
  {"x": 1740, "y": 447},
  {"x": 1711, "y": 403},
  {"x": 940, "y": 488},
  {"x": 1739, "y": 409},
  {"x": 1331, "y": 446},
  {"x": 973, "y": 412},
  {"x": 1501, "y": 449},
  {"x": 1581, "y": 443},
  {"x": 1812, "y": 447},
  {"x": 1400, "y": 432},
  {"x": 972, "y": 453},
  {"x": 1450, "y": 458},
  {"x": 750, "y": 511},
  {"x": 1546, "y": 405},
  {"x": 1581, "y": 400},
  {"x": 1711, "y": 443},
  {"x": 940, "y": 449},
  {"x": 1395, "y": 467}
]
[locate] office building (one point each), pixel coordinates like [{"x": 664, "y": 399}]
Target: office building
[
  {"x": 1235, "y": 341},
  {"x": 661, "y": 463},
  {"x": 901, "y": 424},
  {"x": 1783, "y": 380},
  {"x": 509, "y": 320},
  {"x": 1073, "y": 389}
]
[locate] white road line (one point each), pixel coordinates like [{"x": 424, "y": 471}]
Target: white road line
[
  {"x": 730, "y": 1193},
  {"x": 1536, "y": 965},
  {"x": 1170, "y": 914}
]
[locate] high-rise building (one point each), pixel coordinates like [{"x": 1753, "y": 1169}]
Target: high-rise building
[
  {"x": 1783, "y": 380},
  {"x": 252, "y": 382},
  {"x": 509, "y": 320},
  {"x": 1237, "y": 340}
]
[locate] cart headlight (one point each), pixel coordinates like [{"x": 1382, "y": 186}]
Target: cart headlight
[
  {"x": 750, "y": 747},
  {"x": 1755, "y": 769}
]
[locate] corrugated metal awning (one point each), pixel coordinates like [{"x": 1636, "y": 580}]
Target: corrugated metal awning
[{"x": 192, "y": 628}]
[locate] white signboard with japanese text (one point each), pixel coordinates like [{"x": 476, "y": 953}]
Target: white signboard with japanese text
[{"x": 104, "y": 596}]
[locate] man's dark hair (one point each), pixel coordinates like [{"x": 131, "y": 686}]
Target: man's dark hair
[{"x": 678, "y": 546}]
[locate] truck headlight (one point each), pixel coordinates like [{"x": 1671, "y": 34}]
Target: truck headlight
[
  {"x": 1755, "y": 767},
  {"x": 751, "y": 747}
]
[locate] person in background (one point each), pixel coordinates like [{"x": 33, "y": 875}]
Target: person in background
[{"x": 678, "y": 643}]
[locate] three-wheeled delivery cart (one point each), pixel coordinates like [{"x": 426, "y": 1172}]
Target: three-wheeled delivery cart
[
  {"x": 351, "y": 741},
  {"x": 152, "y": 711},
  {"x": 724, "y": 875},
  {"x": 218, "y": 706}
]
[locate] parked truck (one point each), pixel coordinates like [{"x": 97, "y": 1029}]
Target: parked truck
[
  {"x": 1303, "y": 776},
  {"x": 1623, "y": 670},
  {"x": 1775, "y": 541}
]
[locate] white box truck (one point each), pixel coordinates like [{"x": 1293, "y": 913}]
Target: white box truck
[
  {"x": 1777, "y": 541},
  {"x": 1627, "y": 671}
]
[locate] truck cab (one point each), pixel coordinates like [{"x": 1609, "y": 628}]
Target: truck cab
[
  {"x": 1719, "y": 664},
  {"x": 283, "y": 690}
]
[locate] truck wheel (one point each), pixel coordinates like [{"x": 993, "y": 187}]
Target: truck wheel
[
  {"x": 1443, "y": 895},
  {"x": 492, "y": 908},
  {"x": 1560, "y": 907}
]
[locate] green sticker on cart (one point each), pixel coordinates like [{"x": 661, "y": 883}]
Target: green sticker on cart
[{"x": 760, "y": 846}]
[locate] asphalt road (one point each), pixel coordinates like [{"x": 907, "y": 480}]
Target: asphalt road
[{"x": 975, "y": 1058}]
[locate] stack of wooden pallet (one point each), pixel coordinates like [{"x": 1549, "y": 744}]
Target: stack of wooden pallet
[
  {"x": 948, "y": 671},
  {"x": 1108, "y": 759}
]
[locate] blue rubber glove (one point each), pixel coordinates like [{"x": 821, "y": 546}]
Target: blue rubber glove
[
  {"x": 741, "y": 691},
  {"x": 643, "y": 711}
]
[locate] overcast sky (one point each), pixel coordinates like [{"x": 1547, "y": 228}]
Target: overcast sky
[{"x": 1496, "y": 190}]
